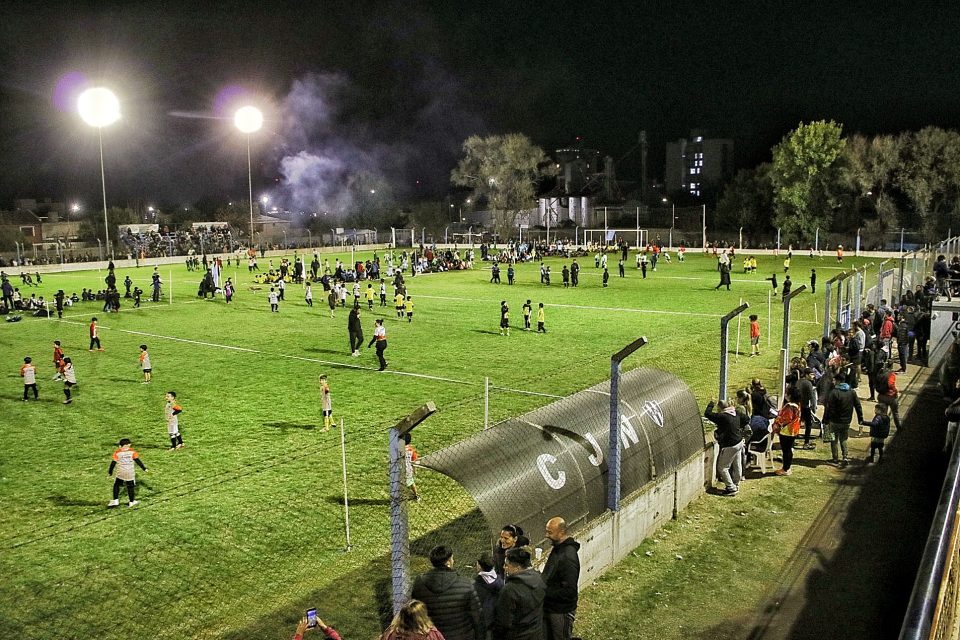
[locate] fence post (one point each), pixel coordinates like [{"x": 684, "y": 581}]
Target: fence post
[
  {"x": 827, "y": 309},
  {"x": 399, "y": 527},
  {"x": 613, "y": 460},
  {"x": 346, "y": 496},
  {"x": 486, "y": 402},
  {"x": 785, "y": 346},
  {"x": 724, "y": 341}
]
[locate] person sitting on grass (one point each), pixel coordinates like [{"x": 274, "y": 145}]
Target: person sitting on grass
[
  {"x": 329, "y": 632},
  {"x": 412, "y": 623}
]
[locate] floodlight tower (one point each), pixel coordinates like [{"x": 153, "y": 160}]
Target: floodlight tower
[
  {"x": 249, "y": 120},
  {"x": 99, "y": 108}
]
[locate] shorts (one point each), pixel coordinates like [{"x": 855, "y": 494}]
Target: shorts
[
  {"x": 173, "y": 430},
  {"x": 755, "y": 340},
  {"x": 504, "y": 323},
  {"x": 147, "y": 370}
]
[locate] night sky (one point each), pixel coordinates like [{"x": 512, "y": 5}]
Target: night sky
[{"x": 391, "y": 89}]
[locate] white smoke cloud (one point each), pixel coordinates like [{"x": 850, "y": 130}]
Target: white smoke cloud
[{"x": 339, "y": 140}]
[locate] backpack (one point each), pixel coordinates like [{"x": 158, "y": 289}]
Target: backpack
[{"x": 881, "y": 382}]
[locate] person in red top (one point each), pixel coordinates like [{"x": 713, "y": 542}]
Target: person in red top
[
  {"x": 57, "y": 359},
  {"x": 787, "y": 425},
  {"x": 329, "y": 632},
  {"x": 887, "y": 393},
  {"x": 886, "y": 330},
  {"x": 754, "y": 336},
  {"x": 94, "y": 335}
]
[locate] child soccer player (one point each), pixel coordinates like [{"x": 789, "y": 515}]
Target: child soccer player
[
  {"x": 171, "y": 412},
  {"x": 754, "y": 336},
  {"x": 369, "y": 296},
  {"x": 94, "y": 335},
  {"x": 527, "y": 310},
  {"x": 408, "y": 306},
  {"x": 29, "y": 374},
  {"x": 398, "y": 302},
  {"x": 410, "y": 456},
  {"x": 504, "y": 317},
  {"x": 69, "y": 379},
  {"x": 57, "y": 359},
  {"x": 383, "y": 293},
  {"x": 332, "y": 301},
  {"x": 272, "y": 297},
  {"x": 123, "y": 460},
  {"x": 145, "y": 364},
  {"x": 308, "y": 295},
  {"x": 879, "y": 430},
  {"x": 540, "y": 319},
  {"x": 327, "y": 403}
]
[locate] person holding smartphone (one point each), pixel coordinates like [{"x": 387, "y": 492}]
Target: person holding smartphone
[{"x": 312, "y": 621}]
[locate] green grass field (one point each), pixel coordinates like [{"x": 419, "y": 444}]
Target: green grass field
[{"x": 242, "y": 530}]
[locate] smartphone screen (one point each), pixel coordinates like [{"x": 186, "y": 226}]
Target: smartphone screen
[{"x": 311, "y": 618}]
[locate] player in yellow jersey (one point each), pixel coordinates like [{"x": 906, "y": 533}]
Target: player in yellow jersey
[
  {"x": 398, "y": 301},
  {"x": 408, "y": 307}
]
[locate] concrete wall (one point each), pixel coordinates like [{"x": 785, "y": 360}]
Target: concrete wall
[{"x": 608, "y": 539}]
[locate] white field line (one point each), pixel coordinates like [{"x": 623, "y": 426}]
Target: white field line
[
  {"x": 154, "y": 306},
  {"x": 346, "y": 365},
  {"x": 592, "y": 308}
]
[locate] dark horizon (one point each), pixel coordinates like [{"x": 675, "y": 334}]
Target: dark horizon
[{"x": 389, "y": 91}]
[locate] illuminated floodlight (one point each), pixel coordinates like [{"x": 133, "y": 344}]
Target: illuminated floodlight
[
  {"x": 248, "y": 119},
  {"x": 98, "y": 107}
]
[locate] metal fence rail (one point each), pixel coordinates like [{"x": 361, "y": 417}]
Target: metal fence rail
[{"x": 932, "y": 609}]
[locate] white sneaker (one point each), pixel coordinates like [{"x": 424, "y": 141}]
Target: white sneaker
[
  {"x": 113, "y": 503},
  {"x": 133, "y": 504}
]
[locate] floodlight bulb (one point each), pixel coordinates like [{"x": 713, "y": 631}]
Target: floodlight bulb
[
  {"x": 98, "y": 107},
  {"x": 248, "y": 119}
]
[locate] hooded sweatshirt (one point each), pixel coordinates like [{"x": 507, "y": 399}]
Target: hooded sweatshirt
[
  {"x": 519, "y": 611},
  {"x": 451, "y": 603},
  {"x": 727, "y": 433},
  {"x": 840, "y": 405}
]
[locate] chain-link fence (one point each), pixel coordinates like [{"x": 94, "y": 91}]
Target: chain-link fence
[{"x": 552, "y": 461}]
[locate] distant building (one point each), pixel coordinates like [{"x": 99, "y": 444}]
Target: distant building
[
  {"x": 697, "y": 163},
  {"x": 45, "y": 209},
  {"x": 583, "y": 181}
]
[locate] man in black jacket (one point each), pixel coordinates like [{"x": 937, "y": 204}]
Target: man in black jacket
[
  {"x": 562, "y": 577},
  {"x": 356, "y": 331},
  {"x": 838, "y": 413},
  {"x": 450, "y": 599},
  {"x": 518, "y": 614},
  {"x": 727, "y": 435}
]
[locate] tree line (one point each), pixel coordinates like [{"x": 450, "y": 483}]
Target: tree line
[{"x": 820, "y": 179}]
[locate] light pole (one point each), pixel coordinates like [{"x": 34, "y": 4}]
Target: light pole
[
  {"x": 99, "y": 108},
  {"x": 249, "y": 120},
  {"x": 311, "y": 237}
]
